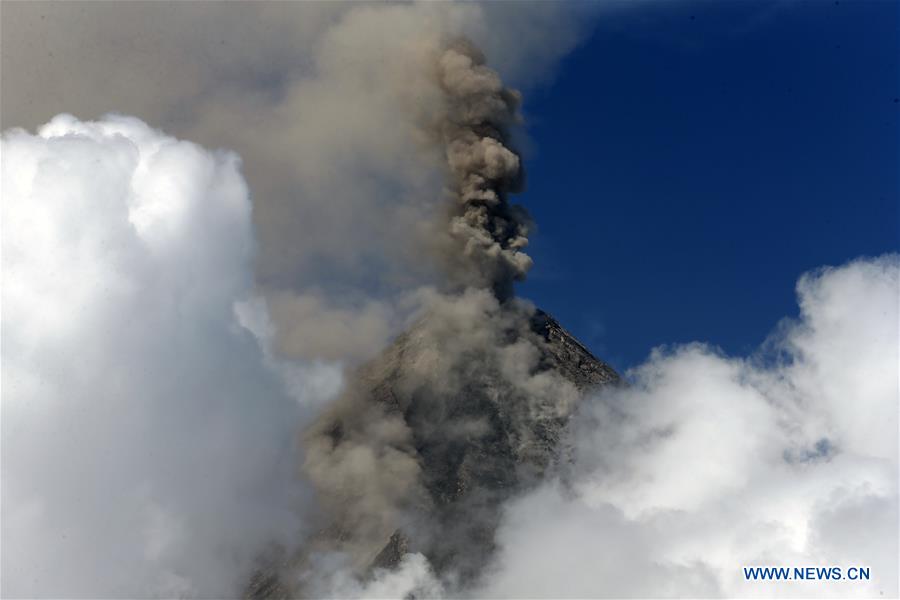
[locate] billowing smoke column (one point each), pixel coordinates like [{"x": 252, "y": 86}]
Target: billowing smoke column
[
  {"x": 490, "y": 232},
  {"x": 467, "y": 406}
]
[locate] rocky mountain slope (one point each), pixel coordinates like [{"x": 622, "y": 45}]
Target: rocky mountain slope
[{"x": 432, "y": 436}]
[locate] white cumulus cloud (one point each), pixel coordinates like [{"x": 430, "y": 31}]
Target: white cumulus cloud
[
  {"x": 147, "y": 440},
  {"x": 708, "y": 463}
]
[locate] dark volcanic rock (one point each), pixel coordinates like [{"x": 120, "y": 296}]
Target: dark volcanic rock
[
  {"x": 569, "y": 357},
  {"x": 392, "y": 553}
]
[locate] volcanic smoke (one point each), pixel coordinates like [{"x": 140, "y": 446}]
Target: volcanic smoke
[{"x": 467, "y": 407}]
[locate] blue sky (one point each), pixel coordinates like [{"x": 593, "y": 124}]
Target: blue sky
[{"x": 691, "y": 160}]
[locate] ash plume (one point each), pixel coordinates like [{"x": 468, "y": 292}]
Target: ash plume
[
  {"x": 465, "y": 408},
  {"x": 488, "y": 232}
]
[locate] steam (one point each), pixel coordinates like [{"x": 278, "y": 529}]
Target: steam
[
  {"x": 147, "y": 443},
  {"x": 709, "y": 463}
]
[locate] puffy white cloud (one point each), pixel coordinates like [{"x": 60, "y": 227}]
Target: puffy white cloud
[
  {"x": 412, "y": 578},
  {"x": 707, "y": 463},
  {"x": 147, "y": 441}
]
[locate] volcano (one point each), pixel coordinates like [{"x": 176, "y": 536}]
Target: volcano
[
  {"x": 433, "y": 435},
  {"x": 468, "y": 407}
]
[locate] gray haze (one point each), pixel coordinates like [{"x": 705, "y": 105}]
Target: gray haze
[{"x": 329, "y": 106}]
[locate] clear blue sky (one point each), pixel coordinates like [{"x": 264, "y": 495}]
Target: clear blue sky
[{"x": 691, "y": 160}]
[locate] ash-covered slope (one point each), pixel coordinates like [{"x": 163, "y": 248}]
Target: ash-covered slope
[
  {"x": 461, "y": 412},
  {"x": 467, "y": 475},
  {"x": 569, "y": 357}
]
